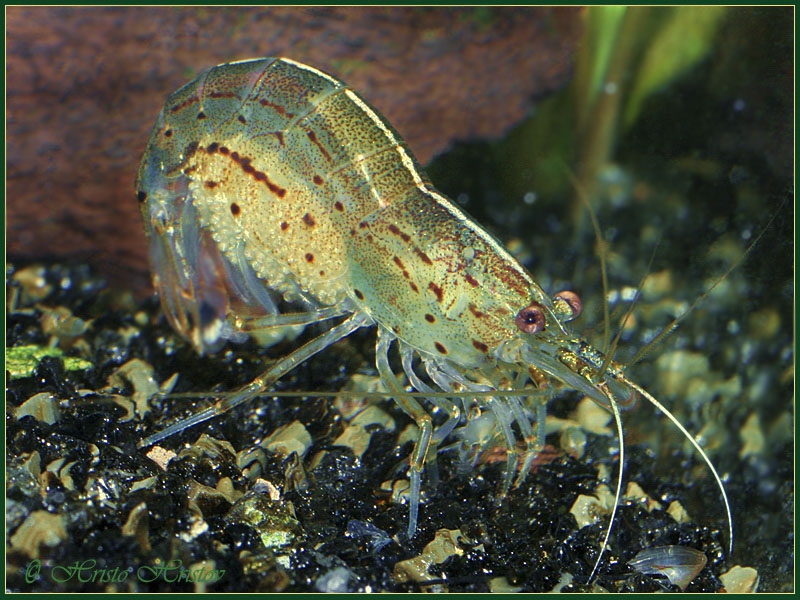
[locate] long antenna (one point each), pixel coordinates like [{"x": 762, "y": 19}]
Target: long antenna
[
  {"x": 620, "y": 470},
  {"x": 694, "y": 443}
]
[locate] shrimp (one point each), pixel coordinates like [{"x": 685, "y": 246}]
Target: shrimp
[{"x": 274, "y": 195}]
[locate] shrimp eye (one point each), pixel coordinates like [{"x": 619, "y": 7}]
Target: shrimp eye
[
  {"x": 530, "y": 319},
  {"x": 567, "y": 305}
]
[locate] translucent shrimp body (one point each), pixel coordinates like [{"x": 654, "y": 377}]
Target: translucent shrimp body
[{"x": 272, "y": 194}]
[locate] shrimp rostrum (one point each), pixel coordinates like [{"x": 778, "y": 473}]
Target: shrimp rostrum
[{"x": 268, "y": 184}]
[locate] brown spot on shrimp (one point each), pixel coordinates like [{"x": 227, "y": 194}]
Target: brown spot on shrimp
[
  {"x": 281, "y": 110},
  {"x": 437, "y": 291},
  {"x": 188, "y": 102},
  {"x": 396, "y": 230},
  {"x": 480, "y": 346},
  {"x": 477, "y": 313},
  {"x": 402, "y": 266},
  {"x": 223, "y": 94},
  {"x": 313, "y": 137},
  {"x": 190, "y": 149},
  {"x": 423, "y": 257},
  {"x": 246, "y": 164}
]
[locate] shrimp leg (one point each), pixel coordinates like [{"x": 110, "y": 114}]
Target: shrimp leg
[
  {"x": 266, "y": 379},
  {"x": 254, "y": 324},
  {"x": 414, "y": 410}
]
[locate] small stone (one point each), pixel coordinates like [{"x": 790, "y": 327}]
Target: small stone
[
  {"x": 39, "y": 531},
  {"x": 740, "y": 580}
]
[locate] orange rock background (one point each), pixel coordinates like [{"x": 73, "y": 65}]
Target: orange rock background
[{"x": 84, "y": 86}]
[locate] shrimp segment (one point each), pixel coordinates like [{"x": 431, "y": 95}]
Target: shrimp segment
[{"x": 273, "y": 195}]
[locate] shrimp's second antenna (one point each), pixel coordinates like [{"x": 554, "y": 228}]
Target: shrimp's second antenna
[{"x": 273, "y": 195}]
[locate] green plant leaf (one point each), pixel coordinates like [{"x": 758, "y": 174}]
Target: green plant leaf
[
  {"x": 685, "y": 37},
  {"x": 21, "y": 361}
]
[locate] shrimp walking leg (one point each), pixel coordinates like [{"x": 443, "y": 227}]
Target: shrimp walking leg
[
  {"x": 266, "y": 379},
  {"x": 534, "y": 444},
  {"x": 444, "y": 404},
  {"x": 452, "y": 411},
  {"x": 255, "y": 324},
  {"x": 534, "y": 441},
  {"x": 420, "y": 416}
]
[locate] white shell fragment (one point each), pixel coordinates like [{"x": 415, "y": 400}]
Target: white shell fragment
[
  {"x": 679, "y": 564},
  {"x": 740, "y": 580}
]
